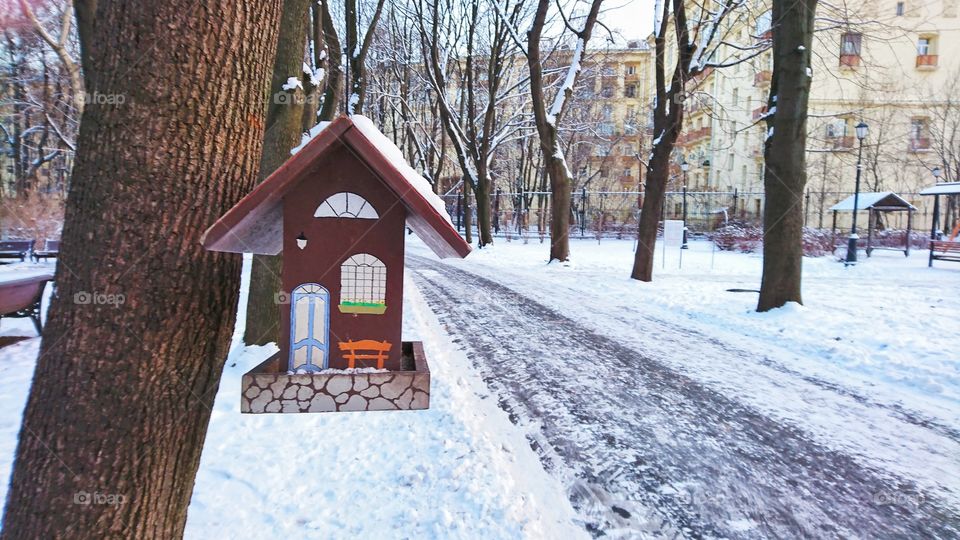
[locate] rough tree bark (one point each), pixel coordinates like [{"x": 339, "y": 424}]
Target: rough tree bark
[
  {"x": 284, "y": 123},
  {"x": 548, "y": 121},
  {"x": 122, "y": 394},
  {"x": 785, "y": 170}
]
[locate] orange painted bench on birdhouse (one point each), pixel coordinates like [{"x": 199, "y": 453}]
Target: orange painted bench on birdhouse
[{"x": 379, "y": 351}]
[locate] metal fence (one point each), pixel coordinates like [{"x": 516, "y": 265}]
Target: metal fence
[{"x": 614, "y": 214}]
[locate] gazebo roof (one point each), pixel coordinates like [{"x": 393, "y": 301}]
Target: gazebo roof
[
  {"x": 886, "y": 200},
  {"x": 254, "y": 225},
  {"x": 946, "y": 188}
]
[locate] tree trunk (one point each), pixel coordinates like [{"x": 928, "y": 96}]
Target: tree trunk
[
  {"x": 140, "y": 326},
  {"x": 785, "y": 172},
  {"x": 467, "y": 214},
  {"x": 653, "y": 194},
  {"x": 560, "y": 196},
  {"x": 284, "y": 122},
  {"x": 333, "y": 81}
]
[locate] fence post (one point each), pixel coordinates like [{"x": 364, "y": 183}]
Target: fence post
[
  {"x": 735, "y": 195},
  {"x": 806, "y": 208},
  {"x": 459, "y": 208},
  {"x": 583, "y": 210},
  {"x": 496, "y": 211}
]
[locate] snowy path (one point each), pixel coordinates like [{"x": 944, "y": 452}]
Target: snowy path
[{"x": 645, "y": 447}]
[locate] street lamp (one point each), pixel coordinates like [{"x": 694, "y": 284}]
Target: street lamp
[
  {"x": 861, "y": 130},
  {"x": 936, "y": 205},
  {"x": 684, "y": 166}
]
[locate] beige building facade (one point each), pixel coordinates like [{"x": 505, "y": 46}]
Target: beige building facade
[{"x": 886, "y": 63}]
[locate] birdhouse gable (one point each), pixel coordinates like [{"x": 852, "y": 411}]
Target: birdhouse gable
[{"x": 254, "y": 225}]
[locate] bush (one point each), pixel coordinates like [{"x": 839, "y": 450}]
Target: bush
[
  {"x": 32, "y": 217},
  {"x": 738, "y": 236}
]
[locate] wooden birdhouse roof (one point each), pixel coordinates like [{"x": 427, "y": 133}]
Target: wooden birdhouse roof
[{"x": 255, "y": 224}]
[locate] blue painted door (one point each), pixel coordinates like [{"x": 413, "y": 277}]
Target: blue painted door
[{"x": 309, "y": 328}]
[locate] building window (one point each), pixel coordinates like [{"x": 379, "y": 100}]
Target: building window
[
  {"x": 850, "y": 43},
  {"x": 927, "y": 52},
  {"x": 628, "y": 172},
  {"x": 736, "y": 97},
  {"x": 363, "y": 285},
  {"x": 899, "y": 9},
  {"x": 346, "y": 205},
  {"x": 631, "y": 91},
  {"x": 919, "y": 134},
  {"x": 631, "y": 70}
]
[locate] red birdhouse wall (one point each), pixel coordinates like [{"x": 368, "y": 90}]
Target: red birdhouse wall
[{"x": 354, "y": 257}]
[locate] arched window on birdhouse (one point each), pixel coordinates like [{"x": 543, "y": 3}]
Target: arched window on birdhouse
[
  {"x": 346, "y": 205},
  {"x": 363, "y": 285}
]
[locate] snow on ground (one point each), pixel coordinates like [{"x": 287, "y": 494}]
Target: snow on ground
[
  {"x": 889, "y": 324},
  {"x": 866, "y": 366},
  {"x": 457, "y": 470}
]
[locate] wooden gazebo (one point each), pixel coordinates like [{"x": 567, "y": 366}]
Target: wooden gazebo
[
  {"x": 875, "y": 204},
  {"x": 949, "y": 249}
]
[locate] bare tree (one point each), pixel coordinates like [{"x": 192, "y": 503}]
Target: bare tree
[
  {"x": 122, "y": 394},
  {"x": 283, "y": 131},
  {"x": 784, "y": 152},
  {"x": 696, "y": 40},
  {"x": 469, "y": 52},
  {"x": 548, "y": 119}
]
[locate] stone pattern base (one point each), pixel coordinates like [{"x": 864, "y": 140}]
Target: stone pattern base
[{"x": 268, "y": 388}]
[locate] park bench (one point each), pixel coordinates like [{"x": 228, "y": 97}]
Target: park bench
[
  {"x": 16, "y": 249},
  {"x": 51, "y": 248},
  {"x": 20, "y": 298},
  {"x": 379, "y": 351},
  {"x": 944, "y": 250}
]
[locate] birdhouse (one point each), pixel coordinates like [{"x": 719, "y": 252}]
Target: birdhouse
[{"x": 338, "y": 210}]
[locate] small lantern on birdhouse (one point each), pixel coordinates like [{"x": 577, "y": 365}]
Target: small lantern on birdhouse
[{"x": 338, "y": 210}]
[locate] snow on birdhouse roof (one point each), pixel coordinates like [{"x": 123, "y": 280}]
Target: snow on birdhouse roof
[
  {"x": 255, "y": 224},
  {"x": 866, "y": 201}
]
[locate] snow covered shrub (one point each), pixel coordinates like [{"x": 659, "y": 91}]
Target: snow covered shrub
[
  {"x": 817, "y": 242},
  {"x": 897, "y": 238},
  {"x": 738, "y": 236}
]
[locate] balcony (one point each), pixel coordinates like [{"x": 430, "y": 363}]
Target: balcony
[
  {"x": 762, "y": 78},
  {"x": 927, "y": 61},
  {"x": 693, "y": 136},
  {"x": 627, "y": 181},
  {"x": 843, "y": 143},
  {"x": 921, "y": 144},
  {"x": 759, "y": 112},
  {"x": 850, "y": 60}
]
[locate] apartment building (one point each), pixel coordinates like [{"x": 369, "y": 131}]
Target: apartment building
[{"x": 885, "y": 63}]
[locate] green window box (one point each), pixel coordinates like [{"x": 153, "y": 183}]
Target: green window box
[{"x": 369, "y": 308}]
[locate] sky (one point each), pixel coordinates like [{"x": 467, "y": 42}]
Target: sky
[{"x": 633, "y": 18}]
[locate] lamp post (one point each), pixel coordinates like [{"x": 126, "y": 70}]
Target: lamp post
[
  {"x": 861, "y": 129},
  {"x": 684, "y": 166},
  {"x": 936, "y": 207}
]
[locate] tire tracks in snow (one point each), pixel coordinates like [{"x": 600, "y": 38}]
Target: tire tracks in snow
[{"x": 646, "y": 450}]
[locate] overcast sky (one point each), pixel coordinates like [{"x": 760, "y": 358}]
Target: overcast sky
[{"x": 633, "y": 18}]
